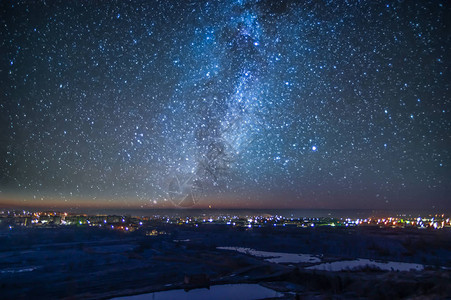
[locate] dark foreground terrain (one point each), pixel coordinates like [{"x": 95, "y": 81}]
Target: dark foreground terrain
[{"x": 92, "y": 263}]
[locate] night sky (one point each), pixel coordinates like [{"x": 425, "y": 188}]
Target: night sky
[{"x": 320, "y": 104}]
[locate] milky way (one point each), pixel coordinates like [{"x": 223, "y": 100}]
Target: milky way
[{"x": 226, "y": 103}]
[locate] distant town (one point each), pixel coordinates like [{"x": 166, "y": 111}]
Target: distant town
[{"x": 127, "y": 223}]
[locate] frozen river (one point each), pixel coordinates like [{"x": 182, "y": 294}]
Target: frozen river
[{"x": 217, "y": 292}]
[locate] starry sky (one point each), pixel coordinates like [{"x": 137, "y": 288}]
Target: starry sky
[{"x": 303, "y": 104}]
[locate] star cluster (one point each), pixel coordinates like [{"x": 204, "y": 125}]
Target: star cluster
[{"x": 226, "y": 103}]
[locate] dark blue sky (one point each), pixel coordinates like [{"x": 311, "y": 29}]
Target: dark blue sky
[{"x": 320, "y": 104}]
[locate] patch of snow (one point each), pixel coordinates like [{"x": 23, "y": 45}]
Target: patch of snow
[
  {"x": 30, "y": 269},
  {"x": 276, "y": 257},
  {"x": 361, "y": 263}
]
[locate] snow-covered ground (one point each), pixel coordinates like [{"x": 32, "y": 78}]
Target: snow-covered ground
[{"x": 356, "y": 264}]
